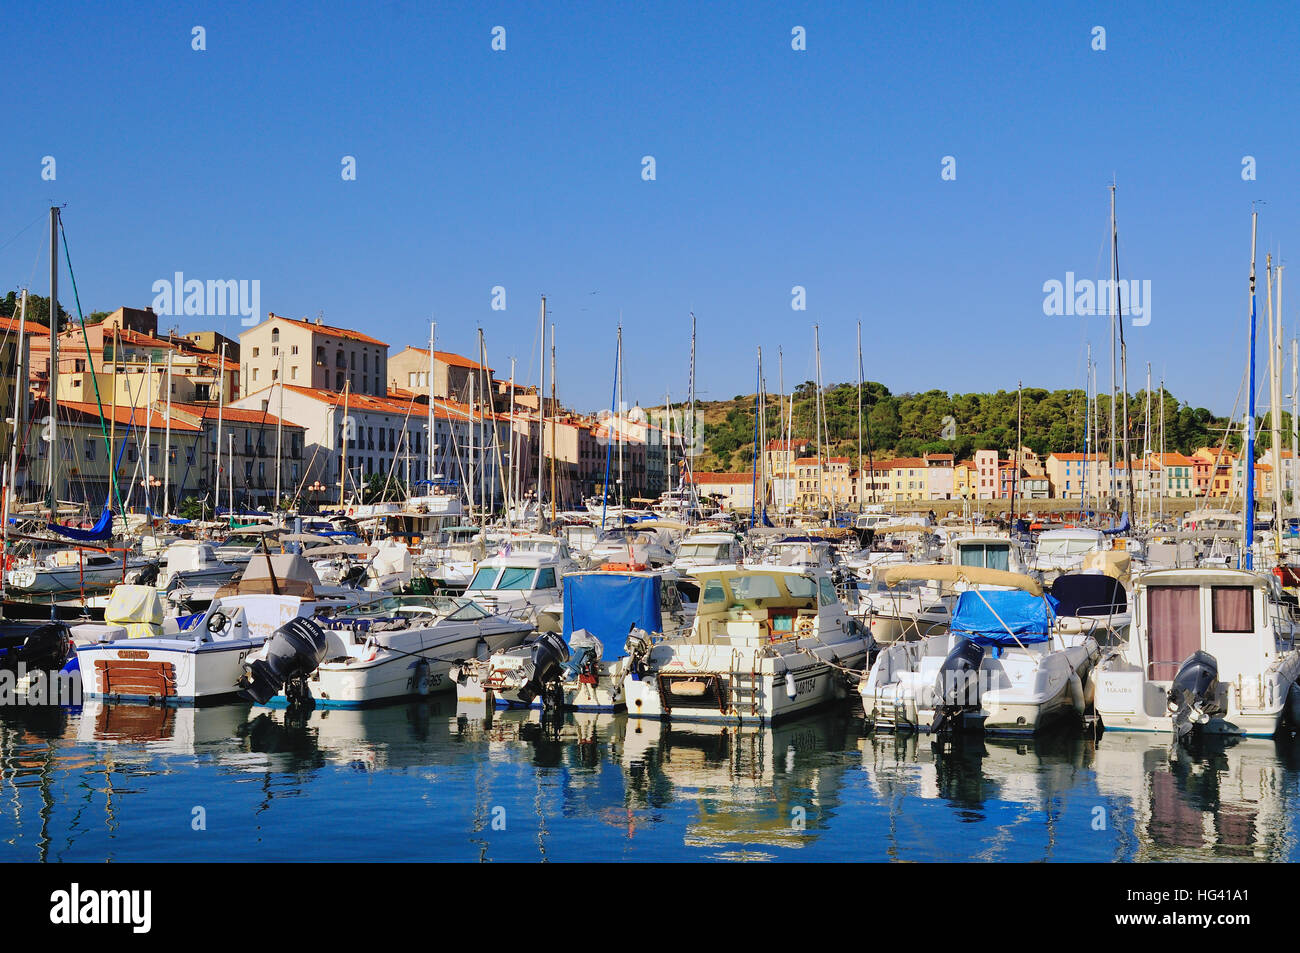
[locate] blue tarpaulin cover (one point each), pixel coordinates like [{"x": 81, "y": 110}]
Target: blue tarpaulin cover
[
  {"x": 1029, "y": 617},
  {"x": 608, "y": 605},
  {"x": 101, "y": 531}
]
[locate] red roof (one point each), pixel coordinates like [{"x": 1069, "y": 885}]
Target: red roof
[
  {"x": 125, "y": 415},
  {"x": 328, "y": 329},
  {"x": 746, "y": 479},
  {"x": 451, "y": 359},
  {"x": 31, "y": 327},
  {"x": 239, "y": 415}
]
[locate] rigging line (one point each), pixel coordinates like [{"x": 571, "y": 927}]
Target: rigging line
[
  {"x": 312, "y": 462},
  {"x": 90, "y": 361},
  {"x": 17, "y": 235}
]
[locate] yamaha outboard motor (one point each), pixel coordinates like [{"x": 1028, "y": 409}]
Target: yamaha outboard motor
[
  {"x": 37, "y": 645},
  {"x": 1193, "y": 698},
  {"x": 958, "y": 682},
  {"x": 295, "y": 651},
  {"x": 543, "y": 666}
]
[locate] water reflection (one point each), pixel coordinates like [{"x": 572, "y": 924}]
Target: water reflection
[{"x": 116, "y": 782}]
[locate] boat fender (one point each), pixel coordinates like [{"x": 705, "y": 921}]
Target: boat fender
[
  {"x": 1076, "y": 692},
  {"x": 420, "y": 677},
  {"x": 791, "y": 689},
  {"x": 1293, "y": 704}
]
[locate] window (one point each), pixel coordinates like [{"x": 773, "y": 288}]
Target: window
[
  {"x": 293, "y": 372},
  {"x": 66, "y": 446},
  {"x": 713, "y": 592},
  {"x": 1232, "y": 608},
  {"x": 275, "y": 334},
  {"x": 293, "y": 349},
  {"x": 256, "y": 351},
  {"x": 545, "y": 578},
  {"x": 90, "y": 449}
]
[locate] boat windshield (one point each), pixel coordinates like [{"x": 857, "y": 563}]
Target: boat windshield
[
  {"x": 704, "y": 550},
  {"x": 990, "y": 556},
  {"x": 1065, "y": 547},
  {"x": 511, "y": 577}
]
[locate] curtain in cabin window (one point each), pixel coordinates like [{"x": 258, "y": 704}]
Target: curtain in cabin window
[
  {"x": 1173, "y": 628},
  {"x": 1232, "y": 608}
]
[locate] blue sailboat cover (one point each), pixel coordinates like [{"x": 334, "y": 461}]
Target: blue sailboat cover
[
  {"x": 102, "y": 530},
  {"x": 1028, "y": 617},
  {"x": 608, "y": 604}
]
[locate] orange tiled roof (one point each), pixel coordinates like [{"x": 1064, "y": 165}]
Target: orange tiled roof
[{"x": 346, "y": 333}]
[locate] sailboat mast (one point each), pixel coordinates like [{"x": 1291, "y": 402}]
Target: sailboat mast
[
  {"x": 221, "y": 400},
  {"x": 20, "y": 379},
  {"x": 1295, "y": 420},
  {"x": 1112, "y": 291},
  {"x": 167, "y": 445},
  {"x": 1249, "y": 462},
  {"x": 541, "y": 407},
  {"x": 343, "y": 445},
  {"x": 817, "y": 349},
  {"x": 53, "y": 394},
  {"x": 279, "y": 439},
  {"x": 429, "y": 436},
  {"x": 1275, "y": 408},
  {"x": 622, "y": 502},
  {"x": 859, "y": 412},
  {"x": 553, "y": 424}
]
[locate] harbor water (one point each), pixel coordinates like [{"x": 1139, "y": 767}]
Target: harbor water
[{"x": 421, "y": 782}]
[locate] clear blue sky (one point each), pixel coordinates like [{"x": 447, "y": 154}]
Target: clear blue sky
[{"x": 775, "y": 168}]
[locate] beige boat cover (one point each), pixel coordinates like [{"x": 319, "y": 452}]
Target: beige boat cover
[
  {"x": 138, "y": 609},
  {"x": 971, "y": 575},
  {"x": 1114, "y": 563}
]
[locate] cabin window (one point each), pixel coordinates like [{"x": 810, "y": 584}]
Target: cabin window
[
  {"x": 515, "y": 577},
  {"x": 546, "y": 579},
  {"x": 1232, "y": 608},
  {"x": 1173, "y": 628},
  {"x": 755, "y": 587},
  {"x": 714, "y": 592},
  {"x": 827, "y": 589}
]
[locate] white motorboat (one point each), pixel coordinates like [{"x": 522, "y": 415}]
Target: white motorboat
[
  {"x": 1210, "y": 650},
  {"x": 138, "y": 654},
  {"x": 73, "y": 570},
  {"x": 631, "y": 546},
  {"x": 702, "y": 550},
  {"x": 584, "y": 669},
  {"x": 1002, "y": 666},
  {"x": 191, "y": 563},
  {"x": 519, "y": 583},
  {"x": 1064, "y": 550},
  {"x": 767, "y": 642},
  {"x": 391, "y": 650}
]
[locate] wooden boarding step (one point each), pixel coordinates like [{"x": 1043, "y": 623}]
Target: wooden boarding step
[{"x": 136, "y": 677}]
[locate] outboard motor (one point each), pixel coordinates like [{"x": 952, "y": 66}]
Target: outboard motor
[
  {"x": 36, "y": 645},
  {"x": 1193, "y": 698},
  {"x": 543, "y": 666},
  {"x": 295, "y": 651},
  {"x": 957, "y": 686}
]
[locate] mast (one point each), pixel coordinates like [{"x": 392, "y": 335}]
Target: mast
[
  {"x": 279, "y": 440},
  {"x": 690, "y": 423},
  {"x": 230, "y": 480},
  {"x": 1164, "y": 482},
  {"x": 1087, "y": 432},
  {"x": 343, "y": 444},
  {"x": 167, "y": 443},
  {"x": 758, "y": 410},
  {"x": 20, "y": 379},
  {"x": 1111, "y": 292},
  {"x": 112, "y": 429},
  {"x": 429, "y": 437},
  {"x": 817, "y": 349},
  {"x": 53, "y": 394},
  {"x": 859, "y": 412},
  {"x": 553, "y": 425},
  {"x": 541, "y": 409},
  {"x": 1295, "y": 420},
  {"x": 221, "y": 400},
  {"x": 1146, "y": 448},
  {"x": 1123, "y": 351},
  {"x": 148, "y": 429},
  {"x": 1249, "y": 462},
  {"x": 1275, "y": 407},
  {"x": 514, "y": 463},
  {"x": 622, "y": 501}
]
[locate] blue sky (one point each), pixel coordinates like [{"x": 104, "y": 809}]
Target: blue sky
[{"x": 775, "y": 168}]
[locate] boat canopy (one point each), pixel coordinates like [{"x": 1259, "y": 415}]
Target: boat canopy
[
  {"x": 1086, "y": 593},
  {"x": 971, "y": 575},
  {"x": 608, "y": 605},
  {"x": 1112, "y": 562},
  {"x": 102, "y": 530},
  {"x": 1003, "y": 617}
]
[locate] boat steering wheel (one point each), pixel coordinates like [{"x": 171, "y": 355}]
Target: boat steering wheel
[{"x": 217, "y": 622}]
